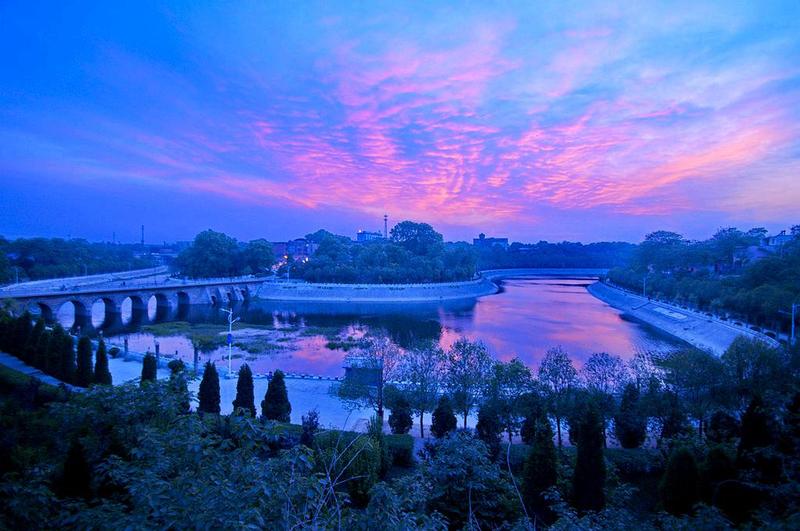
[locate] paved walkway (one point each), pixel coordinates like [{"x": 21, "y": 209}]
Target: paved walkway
[{"x": 18, "y": 365}]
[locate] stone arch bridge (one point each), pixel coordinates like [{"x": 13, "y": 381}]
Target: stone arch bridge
[{"x": 172, "y": 300}]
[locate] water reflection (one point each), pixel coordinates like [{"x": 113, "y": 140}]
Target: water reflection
[{"x": 529, "y": 316}]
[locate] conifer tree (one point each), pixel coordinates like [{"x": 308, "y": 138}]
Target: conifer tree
[
  {"x": 443, "y": 420},
  {"x": 400, "y": 420},
  {"x": 76, "y": 475},
  {"x": 630, "y": 424},
  {"x": 756, "y": 431},
  {"x": 489, "y": 428},
  {"x": 208, "y": 394},
  {"x": 83, "y": 372},
  {"x": 64, "y": 348},
  {"x": 41, "y": 359},
  {"x": 22, "y": 331},
  {"x": 275, "y": 405},
  {"x": 590, "y": 468},
  {"x": 149, "y": 369},
  {"x": 101, "y": 373},
  {"x": 679, "y": 486},
  {"x": 245, "y": 399},
  {"x": 541, "y": 471},
  {"x": 33, "y": 340}
]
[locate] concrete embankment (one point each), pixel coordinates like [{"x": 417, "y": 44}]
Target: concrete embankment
[
  {"x": 305, "y": 291},
  {"x": 695, "y": 328},
  {"x": 498, "y": 274}
]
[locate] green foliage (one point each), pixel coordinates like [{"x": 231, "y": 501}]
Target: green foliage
[
  {"x": 214, "y": 254},
  {"x": 245, "y": 399},
  {"x": 541, "y": 471},
  {"x": 400, "y": 420},
  {"x": 76, "y": 476},
  {"x": 83, "y": 372},
  {"x": 149, "y": 368},
  {"x": 443, "y": 419},
  {"x": 630, "y": 423},
  {"x": 310, "y": 423},
  {"x": 102, "y": 375},
  {"x": 62, "y": 354},
  {"x": 39, "y": 258},
  {"x": 349, "y": 462},
  {"x": 559, "y": 378},
  {"x": 401, "y": 449},
  {"x": 208, "y": 393},
  {"x": 588, "y": 481},
  {"x": 562, "y": 255},
  {"x": 488, "y": 428},
  {"x": 468, "y": 366},
  {"x": 679, "y": 486},
  {"x": 275, "y": 405},
  {"x": 757, "y": 427},
  {"x": 414, "y": 253}
]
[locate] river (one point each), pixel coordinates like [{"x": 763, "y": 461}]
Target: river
[{"x": 527, "y": 317}]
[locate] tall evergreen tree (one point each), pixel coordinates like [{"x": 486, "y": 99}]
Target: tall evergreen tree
[
  {"x": 489, "y": 427},
  {"x": 679, "y": 487},
  {"x": 541, "y": 471},
  {"x": 275, "y": 405},
  {"x": 400, "y": 420},
  {"x": 245, "y": 399},
  {"x": 630, "y": 424},
  {"x": 33, "y": 340},
  {"x": 756, "y": 431},
  {"x": 83, "y": 372},
  {"x": 149, "y": 368},
  {"x": 101, "y": 373},
  {"x": 76, "y": 475},
  {"x": 22, "y": 331},
  {"x": 590, "y": 468},
  {"x": 208, "y": 394},
  {"x": 41, "y": 359},
  {"x": 444, "y": 419},
  {"x": 64, "y": 346}
]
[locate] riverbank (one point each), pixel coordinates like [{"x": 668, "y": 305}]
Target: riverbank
[
  {"x": 694, "y": 328},
  {"x": 311, "y": 292}
]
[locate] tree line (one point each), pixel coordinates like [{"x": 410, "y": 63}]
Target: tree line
[
  {"x": 53, "y": 351},
  {"x": 727, "y": 274},
  {"x": 41, "y": 258},
  {"x": 704, "y": 442},
  {"x": 414, "y": 253},
  {"x": 601, "y": 255},
  {"x": 215, "y": 254}
]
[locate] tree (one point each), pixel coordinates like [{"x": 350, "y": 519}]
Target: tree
[
  {"x": 370, "y": 367},
  {"x": 467, "y": 367},
  {"x": 757, "y": 429},
  {"x": 419, "y": 238},
  {"x": 149, "y": 368},
  {"x": 444, "y": 421},
  {"x": 208, "y": 394},
  {"x": 76, "y": 475},
  {"x": 400, "y": 420},
  {"x": 42, "y": 358},
  {"x": 22, "y": 332},
  {"x": 696, "y": 376},
  {"x": 245, "y": 399},
  {"x": 102, "y": 375},
  {"x": 754, "y": 368},
  {"x": 63, "y": 349},
  {"x": 421, "y": 371},
  {"x": 559, "y": 377},
  {"x": 258, "y": 256},
  {"x": 83, "y": 373},
  {"x": 630, "y": 424},
  {"x": 540, "y": 472},
  {"x": 310, "y": 423},
  {"x": 679, "y": 486},
  {"x": 212, "y": 254},
  {"x": 488, "y": 428},
  {"x": 509, "y": 382},
  {"x": 604, "y": 373},
  {"x": 29, "y": 353},
  {"x": 589, "y": 478},
  {"x": 275, "y": 405}
]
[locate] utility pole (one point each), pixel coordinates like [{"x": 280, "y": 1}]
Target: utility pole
[
  {"x": 644, "y": 286},
  {"x": 385, "y": 226},
  {"x": 231, "y": 320}
]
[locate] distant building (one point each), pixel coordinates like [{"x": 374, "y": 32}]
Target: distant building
[
  {"x": 298, "y": 249},
  {"x": 487, "y": 243},
  {"x": 367, "y": 236},
  {"x": 779, "y": 240}
]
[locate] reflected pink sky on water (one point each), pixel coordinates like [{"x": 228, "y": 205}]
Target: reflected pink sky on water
[{"x": 529, "y": 316}]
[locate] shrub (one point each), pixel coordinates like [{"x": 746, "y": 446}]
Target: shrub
[
  {"x": 630, "y": 424},
  {"x": 443, "y": 420},
  {"x": 276, "y": 405},
  {"x": 679, "y": 486},
  {"x": 149, "y": 368},
  {"x": 401, "y": 449},
  {"x": 589, "y": 478},
  {"x": 310, "y": 422},
  {"x": 400, "y": 420}
]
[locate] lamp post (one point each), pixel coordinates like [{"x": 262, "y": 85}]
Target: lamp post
[
  {"x": 793, "y": 313},
  {"x": 231, "y": 320}
]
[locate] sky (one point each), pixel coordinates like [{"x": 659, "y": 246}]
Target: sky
[{"x": 587, "y": 121}]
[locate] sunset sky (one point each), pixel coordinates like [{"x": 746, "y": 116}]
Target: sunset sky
[{"x": 533, "y": 120}]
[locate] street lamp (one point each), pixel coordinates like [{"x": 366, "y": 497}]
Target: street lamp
[{"x": 231, "y": 320}]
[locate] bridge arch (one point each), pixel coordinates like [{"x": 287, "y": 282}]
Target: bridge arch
[
  {"x": 157, "y": 307},
  {"x": 74, "y": 314},
  {"x": 132, "y": 310},
  {"x": 103, "y": 312},
  {"x": 184, "y": 301},
  {"x": 40, "y": 310}
]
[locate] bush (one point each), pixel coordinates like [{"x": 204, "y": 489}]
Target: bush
[
  {"x": 630, "y": 424},
  {"x": 444, "y": 420},
  {"x": 401, "y": 449},
  {"x": 400, "y": 420},
  {"x": 149, "y": 368},
  {"x": 310, "y": 423},
  {"x": 114, "y": 352},
  {"x": 352, "y": 458},
  {"x": 679, "y": 486}
]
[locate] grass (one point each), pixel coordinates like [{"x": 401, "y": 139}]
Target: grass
[
  {"x": 258, "y": 345},
  {"x": 12, "y": 381}
]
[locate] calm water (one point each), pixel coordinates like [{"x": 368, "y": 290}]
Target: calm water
[{"x": 529, "y": 316}]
